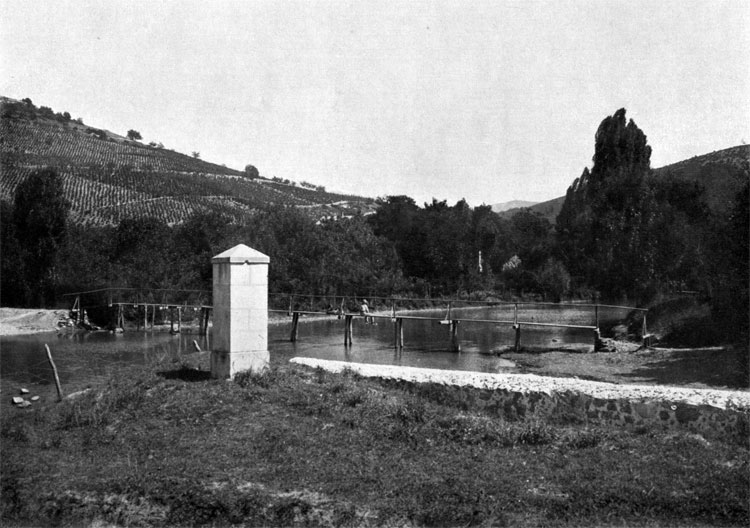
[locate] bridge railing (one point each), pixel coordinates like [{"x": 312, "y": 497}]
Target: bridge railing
[{"x": 141, "y": 296}]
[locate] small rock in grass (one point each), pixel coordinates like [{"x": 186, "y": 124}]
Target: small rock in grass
[
  {"x": 34, "y": 398},
  {"x": 24, "y": 403},
  {"x": 24, "y": 391},
  {"x": 18, "y": 400}
]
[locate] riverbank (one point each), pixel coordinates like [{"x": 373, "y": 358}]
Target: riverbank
[
  {"x": 24, "y": 321},
  {"x": 167, "y": 446},
  {"x": 21, "y": 321}
]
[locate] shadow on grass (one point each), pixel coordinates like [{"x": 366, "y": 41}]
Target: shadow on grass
[
  {"x": 717, "y": 368},
  {"x": 185, "y": 374}
]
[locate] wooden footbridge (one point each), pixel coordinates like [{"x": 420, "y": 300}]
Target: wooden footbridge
[
  {"x": 143, "y": 305},
  {"x": 391, "y": 308}
]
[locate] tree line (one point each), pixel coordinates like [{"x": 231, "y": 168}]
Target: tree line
[{"x": 621, "y": 234}]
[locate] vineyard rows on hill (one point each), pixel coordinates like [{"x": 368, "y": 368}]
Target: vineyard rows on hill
[
  {"x": 109, "y": 179},
  {"x": 53, "y": 144}
]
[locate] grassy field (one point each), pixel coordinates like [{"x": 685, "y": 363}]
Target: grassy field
[{"x": 166, "y": 446}]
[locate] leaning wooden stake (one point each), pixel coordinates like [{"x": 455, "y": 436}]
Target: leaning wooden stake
[{"x": 54, "y": 371}]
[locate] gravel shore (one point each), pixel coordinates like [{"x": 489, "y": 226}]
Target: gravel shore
[{"x": 525, "y": 383}]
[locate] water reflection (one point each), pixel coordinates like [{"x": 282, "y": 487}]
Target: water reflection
[{"x": 83, "y": 357}]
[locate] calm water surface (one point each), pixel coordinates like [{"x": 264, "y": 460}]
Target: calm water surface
[{"x": 82, "y": 358}]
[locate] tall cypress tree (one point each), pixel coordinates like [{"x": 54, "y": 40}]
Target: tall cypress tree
[{"x": 604, "y": 226}]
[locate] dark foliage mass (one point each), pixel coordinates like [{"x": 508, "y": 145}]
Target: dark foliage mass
[
  {"x": 34, "y": 230},
  {"x": 626, "y": 233},
  {"x": 448, "y": 249}
]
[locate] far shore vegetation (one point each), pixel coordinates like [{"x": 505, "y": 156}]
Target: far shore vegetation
[{"x": 623, "y": 235}]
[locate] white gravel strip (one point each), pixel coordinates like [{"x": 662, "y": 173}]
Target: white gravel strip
[{"x": 525, "y": 383}]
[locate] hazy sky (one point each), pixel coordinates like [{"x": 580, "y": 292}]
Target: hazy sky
[{"x": 487, "y": 101}]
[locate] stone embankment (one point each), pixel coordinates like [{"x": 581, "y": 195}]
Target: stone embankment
[{"x": 519, "y": 395}]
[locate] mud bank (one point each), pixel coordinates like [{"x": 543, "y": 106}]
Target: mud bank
[
  {"x": 19, "y": 321},
  {"x": 520, "y": 395}
]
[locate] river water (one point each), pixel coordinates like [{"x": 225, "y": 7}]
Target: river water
[{"x": 81, "y": 358}]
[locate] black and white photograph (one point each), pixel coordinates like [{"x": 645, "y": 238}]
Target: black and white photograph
[{"x": 335, "y": 263}]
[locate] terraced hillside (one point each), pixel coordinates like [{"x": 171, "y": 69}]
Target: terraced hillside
[
  {"x": 722, "y": 174},
  {"x": 107, "y": 177}
]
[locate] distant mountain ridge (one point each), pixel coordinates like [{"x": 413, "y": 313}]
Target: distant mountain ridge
[
  {"x": 513, "y": 204},
  {"x": 722, "y": 173},
  {"x": 108, "y": 177}
]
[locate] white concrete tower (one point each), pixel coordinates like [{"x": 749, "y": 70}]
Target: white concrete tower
[{"x": 240, "y": 304}]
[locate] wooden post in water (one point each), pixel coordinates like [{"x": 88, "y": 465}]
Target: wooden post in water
[
  {"x": 596, "y": 315},
  {"x": 153, "y": 317},
  {"x": 77, "y": 308},
  {"x": 517, "y": 328},
  {"x": 295, "y": 327},
  {"x": 398, "y": 333},
  {"x": 179, "y": 319},
  {"x": 54, "y": 371},
  {"x": 348, "y": 330},
  {"x": 171, "y": 319},
  {"x": 455, "y": 345},
  {"x": 145, "y": 317}
]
